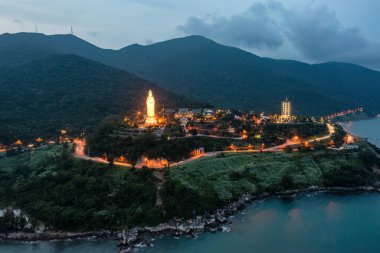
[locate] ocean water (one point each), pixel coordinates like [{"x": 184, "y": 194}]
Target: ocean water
[
  {"x": 318, "y": 223},
  {"x": 365, "y": 128}
]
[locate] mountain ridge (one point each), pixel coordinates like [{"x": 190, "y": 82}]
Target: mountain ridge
[{"x": 229, "y": 77}]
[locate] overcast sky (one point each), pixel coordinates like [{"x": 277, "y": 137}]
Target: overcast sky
[{"x": 311, "y": 31}]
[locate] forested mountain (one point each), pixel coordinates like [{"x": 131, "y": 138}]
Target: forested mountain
[
  {"x": 39, "y": 98},
  {"x": 224, "y": 76},
  {"x": 230, "y": 77},
  {"x": 20, "y": 48}
]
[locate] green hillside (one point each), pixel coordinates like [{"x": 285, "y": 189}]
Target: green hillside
[
  {"x": 210, "y": 182},
  {"x": 69, "y": 92},
  {"x": 72, "y": 194}
]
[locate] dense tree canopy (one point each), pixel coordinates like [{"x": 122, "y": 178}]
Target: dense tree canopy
[{"x": 40, "y": 98}]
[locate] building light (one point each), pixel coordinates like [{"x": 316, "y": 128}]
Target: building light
[
  {"x": 349, "y": 138},
  {"x": 286, "y": 109},
  {"x": 295, "y": 138}
]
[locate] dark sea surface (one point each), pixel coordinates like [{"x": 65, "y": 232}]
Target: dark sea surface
[
  {"x": 317, "y": 223},
  {"x": 365, "y": 128}
]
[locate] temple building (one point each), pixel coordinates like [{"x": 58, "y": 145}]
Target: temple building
[
  {"x": 150, "y": 113},
  {"x": 286, "y": 109}
]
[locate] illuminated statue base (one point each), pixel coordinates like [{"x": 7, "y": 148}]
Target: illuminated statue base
[{"x": 149, "y": 121}]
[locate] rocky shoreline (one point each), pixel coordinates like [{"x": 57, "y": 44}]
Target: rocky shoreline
[
  {"x": 143, "y": 236},
  {"x": 128, "y": 240}
]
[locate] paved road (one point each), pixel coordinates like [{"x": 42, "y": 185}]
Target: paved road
[{"x": 79, "y": 151}]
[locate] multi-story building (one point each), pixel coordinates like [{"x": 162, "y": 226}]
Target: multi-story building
[{"x": 286, "y": 109}]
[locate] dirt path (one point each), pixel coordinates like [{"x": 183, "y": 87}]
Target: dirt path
[{"x": 159, "y": 175}]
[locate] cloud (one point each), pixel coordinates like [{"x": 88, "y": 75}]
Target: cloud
[
  {"x": 318, "y": 34},
  {"x": 314, "y": 31},
  {"x": 253, "y": 28},
  {"x": 18, "y": 21}
]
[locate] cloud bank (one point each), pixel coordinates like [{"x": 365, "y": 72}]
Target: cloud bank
[
  {"x": 253, "y": 28},
  {"x": 314, "y": 31}
]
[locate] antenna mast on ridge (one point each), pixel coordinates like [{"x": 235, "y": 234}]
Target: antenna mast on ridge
[
  {"x": 36, "y": 28},
  {"x": 72, "y": 32}
]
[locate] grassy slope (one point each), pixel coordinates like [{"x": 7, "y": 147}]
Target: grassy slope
[
  {"x": 217, "y": 171},
  {"x": 210, "y": 182},
  {"x": 266, "y": 170},
  {"x": 9, "y": 164}
]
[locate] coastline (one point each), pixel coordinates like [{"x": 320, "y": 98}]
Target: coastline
[
  {"x": 128, "y": 240},
  {"x": 346, "y": 127},
  {"x": 340, "y": 122},
  {"x": 215, "y": 222},
  {"x": 355, "y": 117}
]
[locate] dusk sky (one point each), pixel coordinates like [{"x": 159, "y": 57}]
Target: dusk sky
[{"x": 311, "y": 31}]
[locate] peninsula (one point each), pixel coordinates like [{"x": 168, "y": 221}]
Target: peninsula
[{"x": 176, "y": 171}]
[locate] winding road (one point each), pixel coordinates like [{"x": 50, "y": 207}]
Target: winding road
[{"x": 80, "y": 147}]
